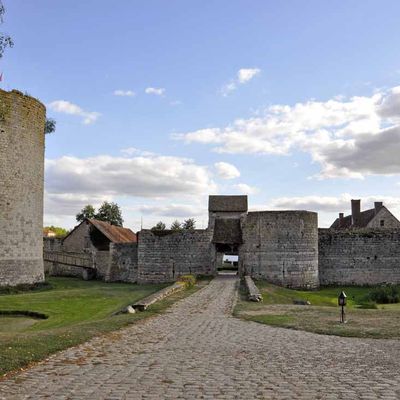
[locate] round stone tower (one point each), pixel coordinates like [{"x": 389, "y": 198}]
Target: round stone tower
[{"x": 22, "y": 121}]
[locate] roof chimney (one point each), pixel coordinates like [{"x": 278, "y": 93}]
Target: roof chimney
[
  {"x": 378, "y": 205},
  {"x": 355, "y": 212},
  {"x": 341, "y": 216}
]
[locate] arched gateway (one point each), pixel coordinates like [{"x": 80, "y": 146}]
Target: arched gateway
[{"x": 280, "y": 246}]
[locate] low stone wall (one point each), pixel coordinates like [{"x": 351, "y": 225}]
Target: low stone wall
[
  {"x": 123, "y": 263},
  {"x": 362, "y": 257},
  {"x": 164, "y": 256}
]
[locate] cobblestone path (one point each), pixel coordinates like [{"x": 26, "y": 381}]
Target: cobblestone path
[{"x": 198, "y": 351}]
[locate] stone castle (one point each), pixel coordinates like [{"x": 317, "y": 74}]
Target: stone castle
[{"x": 283, "y": 247}]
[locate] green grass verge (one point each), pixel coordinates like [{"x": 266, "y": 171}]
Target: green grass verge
[
  {"x": 77, "y": 311},
  {"x": 322, "y": 316}
]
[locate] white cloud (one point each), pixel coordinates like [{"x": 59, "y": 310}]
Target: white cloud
[
  {"x": 228, "y": 88},
  {"x": 143, "y": 176},
  {"x": 127, "y": 93},
  {"x": 328, "y": 207},
  {"x": 165, "y": 182},
  {"x": 246, "y": 189},
  {"x": 173, "y": 210},
  {"x": 348, "y": 138},
  {"x": 155, "y": 91},
  {"x": 66, "y": 107},
  {"x": 312, "y": 203},
  {"x": 243, "y": 76},
  {"x": 246, "y": 74},
  {"x": 226, "y": 170}
]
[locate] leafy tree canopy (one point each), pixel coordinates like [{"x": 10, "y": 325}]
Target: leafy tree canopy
[
  {"x": 5, "y": 40},
  {"x": 159, "y": 226},
  {"x": 50, "y": 125},
  {"x": 189, "y": 224},
  {"x": 110, "y": 212},
  {"x": 87, "y": 212},
  {"x": 176, "y": 226},
  {"x": 60, "y": 232}
]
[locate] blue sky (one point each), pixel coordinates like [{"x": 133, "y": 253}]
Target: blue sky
[{"x": 158, "y": 104}]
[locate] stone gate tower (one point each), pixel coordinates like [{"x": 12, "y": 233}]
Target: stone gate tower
[{"x": 22, "y": 121}]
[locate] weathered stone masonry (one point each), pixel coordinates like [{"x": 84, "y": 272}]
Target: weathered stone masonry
[
  {"x": 359, "y": 257},
  {"x": 165, "y": 255},
  {"x": 22, "y": 120},
  {"x": 281, "y": 247}
]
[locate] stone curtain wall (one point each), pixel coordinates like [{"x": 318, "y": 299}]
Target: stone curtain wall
[
  {"x": 123, "y": 264},
  {"x": 50, "y": 245},
  {"x": 22, "y": 120},
  {"x": 364, "y": 257},
  {"x": 281, "y": 247},
  {"x": 164, "y": 257}
]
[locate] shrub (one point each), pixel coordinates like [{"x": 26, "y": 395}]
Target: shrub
[
  {"x": 384, "y": 294},
  {"x": 370, "y": 305},
  {"x": 188, "y": 280}
]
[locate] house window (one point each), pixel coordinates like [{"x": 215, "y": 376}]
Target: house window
[{"x": 382, "y": 222}]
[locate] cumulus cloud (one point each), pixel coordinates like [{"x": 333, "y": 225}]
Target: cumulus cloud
[
  {"x": 173, "y": 210},
  {"x": 155, "y": 91},
  {"x": 126, "y": 93},
  {"x": 246, "y": 189},
  {"x": 68, "y": 204},
  {"x": 66, "y": 107},
  {"x": 328, "y": 207},
  {"x": 347, "y": 138},
  {"x": 243, "y": 76},
  {"x": 390, "y": 106},
  {"x": 312, "y": 203},
  {"x": 226, "y": 170},
  {"x": 143, "y": 176},
  {"x": 164, "y": 181},
  {"x": 246, "y": 74}
]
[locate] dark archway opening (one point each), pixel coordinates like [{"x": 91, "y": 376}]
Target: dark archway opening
[
  {"x": 100, "y": 241},
  {"x": 227, "y": 258}
]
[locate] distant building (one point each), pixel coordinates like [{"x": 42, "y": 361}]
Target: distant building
[
  {"x": 47, "y": 232},
  {"x": 378, "y": 217}
]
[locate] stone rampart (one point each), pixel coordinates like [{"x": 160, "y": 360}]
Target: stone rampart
[
  {"x": 123, "y": 265},
  {"x": 165, "y": 255},
  {"x": 359, "y": 257},
  {"x": 281, "y": 247},
  {"x": 22, "y": 121}
]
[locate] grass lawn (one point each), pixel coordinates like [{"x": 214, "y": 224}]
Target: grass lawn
[
  {"x": 322, "y": 316},
  {"x": 77, "y": 310}
]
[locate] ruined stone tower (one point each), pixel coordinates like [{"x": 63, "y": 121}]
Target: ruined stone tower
[{"x": 22, "y": 121}]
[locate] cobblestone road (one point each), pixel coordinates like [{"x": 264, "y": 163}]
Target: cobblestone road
[{"x": 198, "y": 351}]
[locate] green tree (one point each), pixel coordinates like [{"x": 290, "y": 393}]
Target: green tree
[
  {"x": 189, "y": 224},
  {"x": 87, "y": 212},
  {"x": 50, "y": 125},
  {"x": 176, "y": 226},
  {"x": 5, "y": 40},
  {"x": 110, "y": 212},
  {"x": 60, "y": 232},
  {"x": 159, "y": 226}
]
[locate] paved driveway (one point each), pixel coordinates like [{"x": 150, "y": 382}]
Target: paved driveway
[{"x": 198, "y": 351}]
